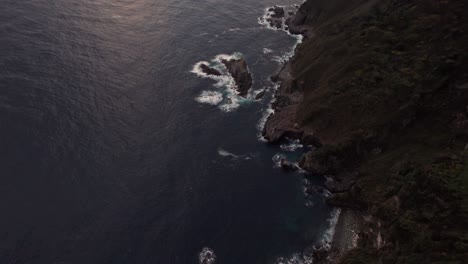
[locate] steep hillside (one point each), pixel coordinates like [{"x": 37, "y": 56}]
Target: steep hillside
[{"x": 384, "y": 88}]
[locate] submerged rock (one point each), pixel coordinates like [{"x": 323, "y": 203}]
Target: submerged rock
[
  {"x": 260, "y": 95},
  {"x": 240, "y": 73},
  {"x": 208, "y": 70},
  {"x": 287, "y": 165}
]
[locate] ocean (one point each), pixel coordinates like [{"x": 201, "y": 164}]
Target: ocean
[{"x": 115, "y": 149}]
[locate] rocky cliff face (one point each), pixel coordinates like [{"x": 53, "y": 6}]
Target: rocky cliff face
[{"x": 381, "y": 86}]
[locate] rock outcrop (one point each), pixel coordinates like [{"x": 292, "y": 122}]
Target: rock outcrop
[
  {"x": 239, "y": 71},
  {"x": 209, "y": 71},
  {"x": 275, "y": 19}
]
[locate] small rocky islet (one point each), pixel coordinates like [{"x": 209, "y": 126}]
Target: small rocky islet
[{"x": 238, "y": 70}]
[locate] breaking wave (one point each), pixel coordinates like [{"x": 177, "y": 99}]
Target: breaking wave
[
  {"x": 207, "y": 256},
  {"x": 226, "y": 97}
]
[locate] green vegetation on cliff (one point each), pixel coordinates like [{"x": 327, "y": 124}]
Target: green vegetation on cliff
[{"x": 385, "y": 88}]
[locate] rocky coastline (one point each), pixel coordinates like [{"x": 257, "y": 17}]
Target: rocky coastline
[{"x": 384, "y": 107}]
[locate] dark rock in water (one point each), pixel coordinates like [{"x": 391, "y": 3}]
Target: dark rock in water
[
  {"x": 311, "y": 139},
  {"x": 240, "y": 73},
  {"x": 276, "y": 23},
  {"x": 208, "y": 70},
  {"x": 287, "y": 165},
  {"x": 274, "y": 78},
  {"x": 276, "y": 17},
  {"x": 277, "y": 11},
  {"x": 260, "y": 95}
]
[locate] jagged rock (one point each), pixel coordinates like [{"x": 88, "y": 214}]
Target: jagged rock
[
  {"x": 287, "y": 165},
  {"x": 277, "y": 11},
  {"x": 280, "y": 125},
  {"x": 240, "y": 73},
  {"x": 208, "y": 70},
  {"x": 260, "y": 95},
  {"x": 276, "y": 18}
]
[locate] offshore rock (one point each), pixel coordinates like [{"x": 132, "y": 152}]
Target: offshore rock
[
  {"x": 209, "y": 71},
  {"x": 276, "y": 18},
  {"x": 239, "y": 71}
]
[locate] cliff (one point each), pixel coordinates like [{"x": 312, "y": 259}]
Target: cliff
[{"x": 381, "y": 87}]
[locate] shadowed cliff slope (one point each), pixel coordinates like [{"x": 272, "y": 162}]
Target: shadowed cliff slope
[{"x": 385, "y": 90}]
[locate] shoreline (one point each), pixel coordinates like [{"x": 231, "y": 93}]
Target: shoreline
[
  {"x": 382, "y": 101},
  {"x": 277, "y": 125}
]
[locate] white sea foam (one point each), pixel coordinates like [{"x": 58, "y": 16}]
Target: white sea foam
[
  {"x": 226, "y": 153},
  {"x": 291, "y": 146},
  {"x": 281, "y": 59},
  {"x": 263, "y": 20},
  {"x": 210, "y": 97},
  {"x": 266, "y": 113},
  {"x": 267, "y": 50},
  {"x": 207, "y": 256},
  {"x": 307, "y": 256},
  {"x": 277, "y": 159},
  {"x": 226, "y": 97},
  {"x": 295, "y": 259},
  {"x": 327, "y": 238},
  {"x": 197, "y": 69},
  {"x": 234, "y": 56}
]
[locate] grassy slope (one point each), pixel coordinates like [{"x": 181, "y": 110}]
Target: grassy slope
[{"x": 386, "y": 89}]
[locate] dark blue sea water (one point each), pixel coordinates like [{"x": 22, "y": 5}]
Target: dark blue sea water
[{"x": 106, "y": 156}]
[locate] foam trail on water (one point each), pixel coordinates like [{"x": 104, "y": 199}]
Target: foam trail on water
[{"x": 225, "y": 153}]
